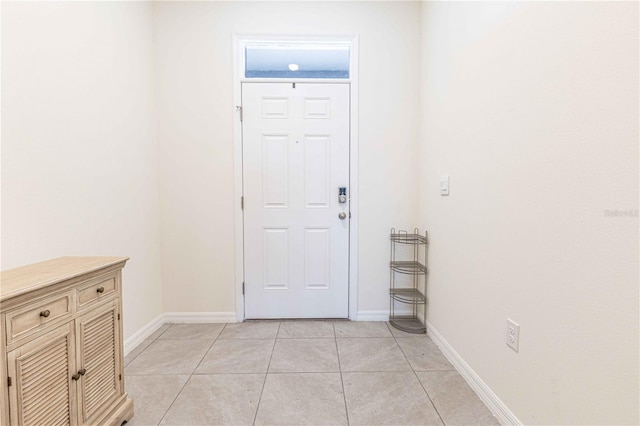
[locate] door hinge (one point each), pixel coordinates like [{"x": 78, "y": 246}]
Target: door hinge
[
  {"x": 242, "y": 203},
  {"x": 349, "y": 215},
  {"x": 9, "y": 381},
  {"x": 243, "y": 288},
  {"x": 118, "y": 317},
  {"x": 119, "y": 376},
  {"x": 239, "y": 109}
]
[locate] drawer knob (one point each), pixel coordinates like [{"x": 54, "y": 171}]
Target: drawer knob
[
  {"x": 75, "y": 376},
  {"x": 100, "y": 290},
  {"x": 45, "y": 313},
  {"x": 82, "y": 372}
]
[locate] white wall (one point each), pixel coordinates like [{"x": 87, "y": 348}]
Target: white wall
[
  {"x": 79, "y": 157},
  {"x": 532, "y": 108},
  {"x": 193, "y": 44}
]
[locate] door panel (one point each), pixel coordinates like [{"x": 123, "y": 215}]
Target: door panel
[
  {"x": 295, "y": 157},
  {"x": 317, "y": 170},
  {"x": 98, "y": 348},
  {"x": 275, "y": 252},
  {"x": 275, "y": 170},
  {"x": 43, "y": 393},
  {"x": 317, "y": 258}
]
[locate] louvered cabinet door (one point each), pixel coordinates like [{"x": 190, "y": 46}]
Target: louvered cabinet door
[
  {"x": 99, "y": 362},
  {"x": 42, "y": 392}
]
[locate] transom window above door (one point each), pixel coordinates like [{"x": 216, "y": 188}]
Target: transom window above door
[{"x": 291, "y": 59}]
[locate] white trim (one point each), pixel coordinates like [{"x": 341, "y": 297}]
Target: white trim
[
  {"x": 142, "y": 334},
  {"x": 490, "y": 399},
  {"x": 199, "y": 317},
  {"x": 353, "y": 181},
  {"x": 238, "y": 59},
  {"x": 238, "y": 182},
  {"x": 372, "y": 316},
  {"x": 296, "y": 80},
  {"x": 176, "y": 317}
]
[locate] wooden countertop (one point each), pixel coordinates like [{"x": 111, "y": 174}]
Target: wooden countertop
[{"x": 14, "y": 282}]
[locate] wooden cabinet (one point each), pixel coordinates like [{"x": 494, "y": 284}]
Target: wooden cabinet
[{"x": 61, "y": 354}]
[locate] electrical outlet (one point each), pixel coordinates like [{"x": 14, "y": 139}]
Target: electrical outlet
[{"x": 513, "y": 334}]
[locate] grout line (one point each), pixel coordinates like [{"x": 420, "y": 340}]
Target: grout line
[
  {"x": 200, "y": 374},
  {"x": 174, "y": 399},
  {"x": 208, "y": 349},
  {"x": 344, "y": 393},
  {"x": 306, "y": 338},
  {"x": 416, "y": 376},
  {"x": 255, "y": 416},
  {"x": 126, "y": 364},
  {"x": 152, "y": 342},
  {"x": 430, "y": 400},
  {"x": 279, "y": 373},
  {"x": 163, "y": 331},
  {"x": 190, "y": 375},
  {"x": 278, "y": 332},
  {"x": 195, "y": 338}
]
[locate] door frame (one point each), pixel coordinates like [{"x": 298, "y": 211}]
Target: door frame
[{"x": 238, "y": 65}]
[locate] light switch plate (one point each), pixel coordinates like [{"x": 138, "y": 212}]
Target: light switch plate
[{"x": 444, "y": 185}]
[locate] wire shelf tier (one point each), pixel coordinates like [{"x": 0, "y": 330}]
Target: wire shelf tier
[
  {"x": 408, "y": 323},
  {"x": 408, "y": 295},
  {"x": 408, "y": 267},
  {"x": 405, "y": 238}
]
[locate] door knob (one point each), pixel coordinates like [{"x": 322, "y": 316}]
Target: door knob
[{"x": 342, "y": 215}]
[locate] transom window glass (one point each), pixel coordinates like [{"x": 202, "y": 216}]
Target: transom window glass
[{"x": 296, "y": 60}]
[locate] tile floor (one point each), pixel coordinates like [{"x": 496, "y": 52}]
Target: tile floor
[{"x": 296, "y": 373}]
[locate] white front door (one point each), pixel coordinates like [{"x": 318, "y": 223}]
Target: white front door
[{"x": 296, "y": 232}]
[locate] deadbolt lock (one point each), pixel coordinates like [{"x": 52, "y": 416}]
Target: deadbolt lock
[{"x": 342, "y": 194}]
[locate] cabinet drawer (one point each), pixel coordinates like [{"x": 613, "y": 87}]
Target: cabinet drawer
[
  {"x": 99, "y": 288},
  {"x": 28, "y": 319}
]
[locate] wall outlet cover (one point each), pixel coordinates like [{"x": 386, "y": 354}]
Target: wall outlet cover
[{"x": 513, "y": 334}]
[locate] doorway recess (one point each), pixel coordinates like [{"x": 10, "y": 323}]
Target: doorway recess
[{"x": 295, "y": 59}]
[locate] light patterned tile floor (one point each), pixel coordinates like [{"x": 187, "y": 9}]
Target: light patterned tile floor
[{"x": 296, "y": 372}]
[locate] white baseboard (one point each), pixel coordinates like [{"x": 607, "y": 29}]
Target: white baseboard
[
  {"x": 377, "y": 315},
  {"x": 199, "y": 317},
  {"x": 142, "y": 334},
  {"x": 373, "y": 316},
  {"x": 176, "y": 317},
  {"x": 491, "y": 400}
]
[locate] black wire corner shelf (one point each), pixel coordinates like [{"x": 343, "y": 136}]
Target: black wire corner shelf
[{"x": 407, "y": 296}]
